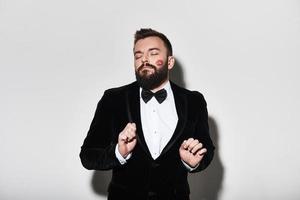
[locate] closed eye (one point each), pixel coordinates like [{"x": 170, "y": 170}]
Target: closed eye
[
  {"x": 154, "y": 52},
  {"x": 137, "y": 56}
]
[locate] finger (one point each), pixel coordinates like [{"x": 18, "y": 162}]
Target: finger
[
  {"x": 183, "y": 144},
  {"x": 188, "y": 142},
  {"x": 127, "y": 127},
  {"x": 196, "y": 148},
  {"x": 202, "y": 151},
  {"x": 127, "y": 137},
  {"x": 193, "y": 144},
  {"x": 133, "y": 125},
  {"x": 130, "y": 134},
  {"x": 132, "y": 137},
  {"x": 132, "y": 131},
  {"x": 123, "y": 137}
]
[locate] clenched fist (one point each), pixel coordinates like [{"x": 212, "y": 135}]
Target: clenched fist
[
  {"x": 191, "y": 152},
  {"x": 127, "y": 139}
]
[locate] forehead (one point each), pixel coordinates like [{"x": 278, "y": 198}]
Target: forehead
[{"x": 149, "y": 42}]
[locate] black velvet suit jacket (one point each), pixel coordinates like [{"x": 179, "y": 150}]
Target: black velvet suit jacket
[{"x": 141, "y": 174}]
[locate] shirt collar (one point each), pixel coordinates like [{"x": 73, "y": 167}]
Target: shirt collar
[{"x": 167, "y": 87}]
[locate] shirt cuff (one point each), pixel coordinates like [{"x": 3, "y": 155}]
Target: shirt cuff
[
  {"x": 188, "y": 167},
  {"x": 121, "y": 159}
]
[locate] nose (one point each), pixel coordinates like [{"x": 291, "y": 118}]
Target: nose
[{"x": 145, "y": 58}]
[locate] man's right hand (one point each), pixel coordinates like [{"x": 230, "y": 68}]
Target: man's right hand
[{"x": 127, "y": 139}]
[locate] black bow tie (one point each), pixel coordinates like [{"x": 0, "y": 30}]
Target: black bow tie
[{"x": 160, "y": 95}]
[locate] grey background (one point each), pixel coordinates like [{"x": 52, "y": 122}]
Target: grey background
[{"x": 58, "y": 57}]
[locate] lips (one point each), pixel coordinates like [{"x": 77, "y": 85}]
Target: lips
[{"x": 146, "y": 66}]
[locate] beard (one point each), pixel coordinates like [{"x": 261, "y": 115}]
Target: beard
[{"x": 150, "y": 81}]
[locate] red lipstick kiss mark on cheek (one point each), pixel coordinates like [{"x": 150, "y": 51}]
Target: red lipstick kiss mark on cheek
[{"x": 159, "y": 62}]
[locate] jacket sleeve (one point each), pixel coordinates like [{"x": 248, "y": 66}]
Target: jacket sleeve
[
  {"x": 98, "y": 149},
  {"x": 202, "y": 133}
]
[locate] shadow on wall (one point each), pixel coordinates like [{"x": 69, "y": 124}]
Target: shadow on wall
[
  {"x": 100, "y": 182},
  {"x": 176, "y": 74},
  {"x": 205, "y": 185}
]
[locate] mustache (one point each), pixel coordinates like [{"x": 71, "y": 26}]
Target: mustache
[{"x": 146, "y": 65}]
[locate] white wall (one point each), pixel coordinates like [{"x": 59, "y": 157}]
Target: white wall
[{"x": 57, "y": 57}]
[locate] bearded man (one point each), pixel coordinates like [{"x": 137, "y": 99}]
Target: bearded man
[{"x": 151, "y": 132}]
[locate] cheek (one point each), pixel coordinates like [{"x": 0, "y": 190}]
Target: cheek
[
  {"x": 137, "y": 64},
  {"x": 159, "y": 63}
]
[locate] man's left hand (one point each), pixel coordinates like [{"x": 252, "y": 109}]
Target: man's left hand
[{"x": 191, "y": 152}]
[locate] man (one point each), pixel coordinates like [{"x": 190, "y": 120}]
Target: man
[{"x": 151, "y": 133}]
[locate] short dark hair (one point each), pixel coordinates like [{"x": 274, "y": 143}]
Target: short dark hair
[{"x": 148, "y": 32}]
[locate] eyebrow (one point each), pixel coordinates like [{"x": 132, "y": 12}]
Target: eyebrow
[
  {"x": 151, "y": 49},
  {"x": 136, "y": 52}
]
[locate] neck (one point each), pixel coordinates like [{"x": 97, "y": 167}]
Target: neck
[{"x": 160, "y": 86}]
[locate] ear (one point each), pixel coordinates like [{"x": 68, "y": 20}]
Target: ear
[{"x": 171, "y": 62}]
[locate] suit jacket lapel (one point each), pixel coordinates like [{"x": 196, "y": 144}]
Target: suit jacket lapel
[
  {"x": 134, "y": 115},
  {"x": 181, "y": 108}
]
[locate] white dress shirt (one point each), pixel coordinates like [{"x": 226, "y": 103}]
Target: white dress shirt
[{"x": 158, "y": 123}]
